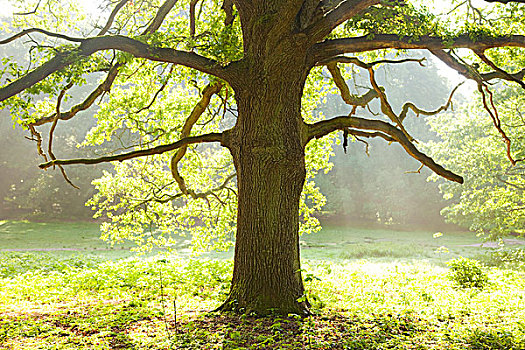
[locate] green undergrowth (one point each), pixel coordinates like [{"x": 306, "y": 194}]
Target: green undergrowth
[{"x": 50, "y": 302}]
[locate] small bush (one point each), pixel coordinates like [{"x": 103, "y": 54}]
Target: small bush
[
  {"x": 514, "y": 257},
  {"x": 467, "y": 273}
]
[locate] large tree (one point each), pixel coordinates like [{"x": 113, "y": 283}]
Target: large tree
[{"x": 263, "y": 61}]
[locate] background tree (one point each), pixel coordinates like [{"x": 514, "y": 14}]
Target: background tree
[
  {"x": 491, "y": 201},
  {"x": 263, "y": 61}
]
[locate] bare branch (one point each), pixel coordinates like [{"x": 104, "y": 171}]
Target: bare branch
[
  {"x": 418, "y": 111},
  {"x": 358, "y": 62},
  {"x": 325, "y": 127},
  {"x": 371, "y": 134},
  {"x": 41, "y": 31},
  {"x": 506, "y": 1},
  {"x": 37, "y": 137},
  {"x": 493, "y": 112},
  {"x": 212, "y": 137},
  {"x": 349, "y": 98},
  {"x": 30, "y": 12},
  {"x": 386, "y": 108},
  {"x": 508, "y": 76},
  {"x": 112, "y": 17},
  {"x": 418, "y": 171},
  {"x": 55, "y": 120},
  {"x": 52, "y": 130}
]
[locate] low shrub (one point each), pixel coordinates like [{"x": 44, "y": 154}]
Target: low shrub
[{"x": 467, "y": 273}]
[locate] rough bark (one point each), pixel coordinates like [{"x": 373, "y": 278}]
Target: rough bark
[
  {"x": 269, "y": 159},
  {"x": 267, "y": 144}
]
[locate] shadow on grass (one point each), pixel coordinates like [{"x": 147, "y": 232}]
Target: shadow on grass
[
  {"x": 134, "y": 326},
  {"x": 335, "y": 332}
]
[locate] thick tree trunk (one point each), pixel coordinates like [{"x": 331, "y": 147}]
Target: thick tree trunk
[{"x": 267, "y": 145}]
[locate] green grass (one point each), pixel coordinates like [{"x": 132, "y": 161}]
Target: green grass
[
  {"x": 358, "y": 305},
  {"x": 337, "y": 243},
  {"x": 334, "y": 243},
  {"x": 364, "y": 292},
  {"x": 59, "y": 238}
]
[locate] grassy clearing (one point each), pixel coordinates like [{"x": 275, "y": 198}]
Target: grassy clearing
[
  {"x": 79, "y": 300},
  {"x": 61, "y": 239},
  {"x": 333, "y": 243},
  {"x": 336, "y": 243}
]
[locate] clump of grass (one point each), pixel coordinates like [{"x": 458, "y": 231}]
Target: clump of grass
[{"x": 384, "y": 250}]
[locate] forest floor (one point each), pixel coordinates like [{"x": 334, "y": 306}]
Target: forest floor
[{"x": 369, "y": 289}]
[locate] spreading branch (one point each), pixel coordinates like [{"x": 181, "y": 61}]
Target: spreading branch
[
  {"x": 335, "y": 47},
  {"x": 197, "y": 111},
  {"x": 339, "y": 14},
  {"x": 88, "y": 102},
  {"x": 386, "y": 108},
  {"x": 325, "y": 127},
  {"x": 212, "y": 137},
  {"x": 29, "y": 12},
  {"x": 418, "y": 111},
  {"x": 348, "y": 97},
  {"x": 470, "y": 73},
  {"x": 505, "y": 74},
  {"x": 105, "y": 86},
  {"x": 227, "y": 7},
  {"x": 41, "y": 31},
  {"x": 117, "y": 42}
]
